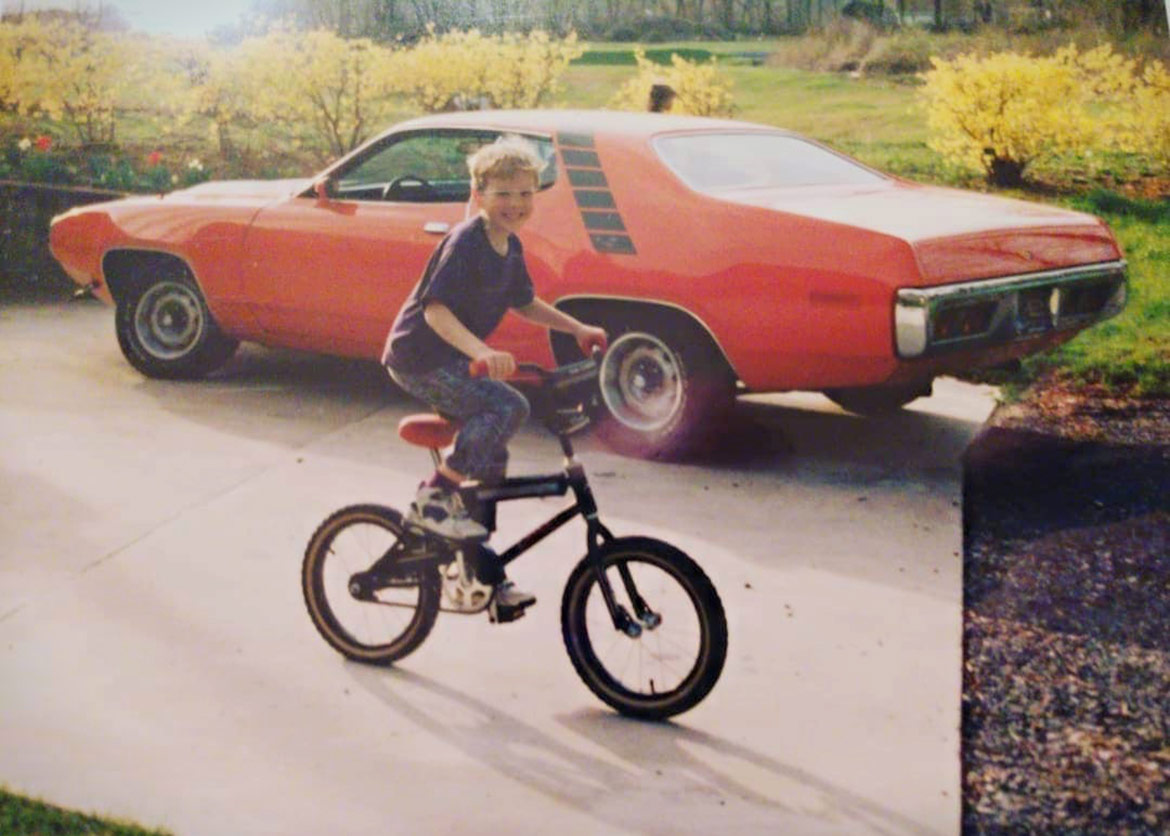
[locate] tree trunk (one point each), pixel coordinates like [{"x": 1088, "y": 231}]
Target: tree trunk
[{"x": 1006, "y": 173}]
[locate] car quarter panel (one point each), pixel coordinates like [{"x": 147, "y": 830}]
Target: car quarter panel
[{"x": 791, "y": 301}]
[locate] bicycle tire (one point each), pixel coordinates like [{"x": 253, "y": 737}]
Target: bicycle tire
[
  {"x": 615, "y": 666},
  {"x": 350, "y": 541}
]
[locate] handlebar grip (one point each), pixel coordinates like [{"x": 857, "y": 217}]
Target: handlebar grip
[
  {"x": 596, "y": 347},
  {"x": 525, "y": 372}
]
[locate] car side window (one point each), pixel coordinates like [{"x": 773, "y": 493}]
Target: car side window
[{"x": 426, "y": 167}]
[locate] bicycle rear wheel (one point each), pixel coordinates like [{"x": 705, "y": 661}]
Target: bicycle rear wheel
[
  {"x": 364, "y": 605},
  {"x": 679, "y": 653}
]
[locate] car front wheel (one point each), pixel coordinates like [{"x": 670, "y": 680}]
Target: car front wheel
[
  {"x": 165, "y": 329},
  {"x": 664, "y": 390}
]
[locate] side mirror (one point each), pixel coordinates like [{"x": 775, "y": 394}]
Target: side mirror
[{"x": 323, "y": 189}]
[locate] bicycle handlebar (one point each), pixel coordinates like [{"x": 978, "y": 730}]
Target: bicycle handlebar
[{"x": 530, "y": 372}]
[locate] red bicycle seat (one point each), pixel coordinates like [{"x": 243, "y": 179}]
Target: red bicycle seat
[{"x": 427, "y": 430}]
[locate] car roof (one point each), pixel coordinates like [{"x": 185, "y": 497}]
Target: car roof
[{"x": 628, "y": 123}]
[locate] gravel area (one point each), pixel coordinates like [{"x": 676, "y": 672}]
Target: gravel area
[{"x": 1066, "y": 705}]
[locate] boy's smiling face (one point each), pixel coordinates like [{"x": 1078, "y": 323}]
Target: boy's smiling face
[{"x": 507, "y": 202}]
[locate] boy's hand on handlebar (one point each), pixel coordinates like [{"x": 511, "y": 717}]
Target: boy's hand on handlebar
[
  {"x": 497, "y": 365},
  {"x": 590, "y": 338}
]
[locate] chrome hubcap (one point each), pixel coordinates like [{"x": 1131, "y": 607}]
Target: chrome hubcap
[
  {"x": 642, "y": 382},
  {"x": 169, "y": 321}
]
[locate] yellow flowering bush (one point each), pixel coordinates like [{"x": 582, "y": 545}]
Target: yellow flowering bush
[
  {"x": 1149, "y": 129},
  {"x": 466, "y": 69},
  {"x": 76, "y": 75},
  {"x": 441, "y": 72},
  {"x": 12, "y": 44},
  {"x": 216, "y": 92},
  {"x": 335, "y": 87},
  {"x": 526, "y": 69},
  {"x": 701, "y": 89},
  {"x": 1003, "y": 111}
]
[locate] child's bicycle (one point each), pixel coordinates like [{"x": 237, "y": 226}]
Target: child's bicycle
[{"x": 642, "y": 623}]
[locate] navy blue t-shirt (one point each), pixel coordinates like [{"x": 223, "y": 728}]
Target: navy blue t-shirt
[{"x": 475, "y": 282}]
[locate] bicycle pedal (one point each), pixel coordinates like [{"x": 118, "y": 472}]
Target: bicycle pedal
[{"x": 502, "y": 615}]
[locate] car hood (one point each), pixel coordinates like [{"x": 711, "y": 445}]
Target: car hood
[
  {"x": 956, "y": 235},
  {"x": 235, "y": 190}
]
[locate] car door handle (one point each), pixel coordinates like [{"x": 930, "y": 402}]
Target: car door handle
[{"x": 437, "y": 227}]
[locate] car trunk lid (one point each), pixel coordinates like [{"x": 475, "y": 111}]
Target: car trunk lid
[{"x": 956, "y": 235}]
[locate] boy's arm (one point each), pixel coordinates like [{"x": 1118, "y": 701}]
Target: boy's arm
[
  {"x": 542, "y": 313},
  {"x": 443, "y": 322}
]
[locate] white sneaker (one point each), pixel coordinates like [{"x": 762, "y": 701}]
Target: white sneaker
[
  {"x": 442, "y": 513},
  {"x": 507, "y": 595}
]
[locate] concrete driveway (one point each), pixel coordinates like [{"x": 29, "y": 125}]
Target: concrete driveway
[{"x": 156, "y": 661}]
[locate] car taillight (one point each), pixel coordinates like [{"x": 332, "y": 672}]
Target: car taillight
[{"x": 956, "y": 322}]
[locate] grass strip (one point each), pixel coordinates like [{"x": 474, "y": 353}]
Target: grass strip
[
  {"x": 625, "y": 57},
  {"x": 23, "y": 816}
]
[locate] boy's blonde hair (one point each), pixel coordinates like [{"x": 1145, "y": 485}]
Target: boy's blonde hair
[{"x": 506, "y": 157}]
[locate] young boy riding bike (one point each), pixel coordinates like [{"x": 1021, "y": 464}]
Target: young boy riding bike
[{"x": 476, "y": 274}]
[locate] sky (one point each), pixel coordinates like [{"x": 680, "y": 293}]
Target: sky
[{"x": 185, "y": 18}]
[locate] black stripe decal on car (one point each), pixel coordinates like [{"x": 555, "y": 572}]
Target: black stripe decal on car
[
  {"x": 575, "y": 140},
  {"x": 588, "y": 199},
  {"x": 613, "y": 244},
  {"x": 598, "y": 208},
  {"x": 580, "y": 159},
  {"x": 609, "y": 221},
  {"x": 587, "y": 178}
]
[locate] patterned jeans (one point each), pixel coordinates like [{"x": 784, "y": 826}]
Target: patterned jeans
[{"x": 490, "y": 412}]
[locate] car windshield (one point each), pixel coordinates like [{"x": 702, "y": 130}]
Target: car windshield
[
  {"x": 721, "y": 161},
  {"x": 427, "y": 166}
]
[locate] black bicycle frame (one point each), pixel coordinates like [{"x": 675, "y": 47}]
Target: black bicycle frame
[{"x": 484, "y": 499}]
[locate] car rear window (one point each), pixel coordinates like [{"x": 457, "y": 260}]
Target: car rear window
[{"x": 714, "y": 162}]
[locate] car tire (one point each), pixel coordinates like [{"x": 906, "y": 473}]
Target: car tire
[
  {"x": 165, "y": 329},
  {"x": 876, "y": 401},
  {"x": 665, "y": 388}
]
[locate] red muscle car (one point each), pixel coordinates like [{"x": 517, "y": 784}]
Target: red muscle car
[{"x": 721, "y": 256}]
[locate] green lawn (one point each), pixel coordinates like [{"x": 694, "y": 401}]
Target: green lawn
[
  {"x": 21, "y": 816},
  {"x": 1132, "y": 350}
]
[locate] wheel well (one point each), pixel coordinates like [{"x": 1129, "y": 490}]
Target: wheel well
[
  {"x": 600, "y": 311},
  {"x": 123, "y": 268}
]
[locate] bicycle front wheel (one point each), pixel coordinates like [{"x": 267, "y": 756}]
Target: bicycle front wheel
[
  {"x": 677, "y": 654},
  {"x": 362, "y": 603}
]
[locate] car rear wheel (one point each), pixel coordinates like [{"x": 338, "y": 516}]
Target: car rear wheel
[
  {"x": 165, "y": 329},
  {"x": 875, "y": 401},
  {"x": 665, "y": 389}
]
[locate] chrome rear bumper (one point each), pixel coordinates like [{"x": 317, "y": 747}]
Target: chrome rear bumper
[{"x": 934, "y": 320}]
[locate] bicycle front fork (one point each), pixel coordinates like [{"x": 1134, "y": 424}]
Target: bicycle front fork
[{"x": 643, "y": 618}]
